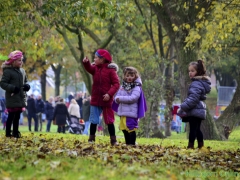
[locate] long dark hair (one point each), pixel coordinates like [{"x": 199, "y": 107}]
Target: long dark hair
[{"x": 199, "y": 67}]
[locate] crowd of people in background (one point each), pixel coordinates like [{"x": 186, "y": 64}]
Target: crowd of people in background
[{"x": 76, "y": 105}]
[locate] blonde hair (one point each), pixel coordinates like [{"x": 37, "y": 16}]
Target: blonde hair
[
  {"x": 73, "y": 101},
  {"x": 130, "y": 70}
]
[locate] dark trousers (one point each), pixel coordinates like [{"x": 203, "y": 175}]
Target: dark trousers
[
  {"x": 13, "y": 119},
  {"x": 39, "y": 118},
  {"x": 61, "y": 129},
  {"x": 111, "y": 129},
  {"x": 49, "y": 121},
  {"x": 130, "y": 137},
  {"x": 195, "y": 131},
  {"x": 30, "y": 116}
]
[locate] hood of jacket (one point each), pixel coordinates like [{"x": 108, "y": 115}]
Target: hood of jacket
[
  {"x": 205, "y": 81},
  {"x": 4, "y": 66},
  {"x": 138, "y": 80},
  {"x": 110, "y": 66}
]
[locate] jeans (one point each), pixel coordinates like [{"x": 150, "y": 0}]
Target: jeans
[
  {"x": 39, "y": 118},
  {"x": 30, "y": 116},
  {"x": 87, "y": 124},
  {"x": 49, "y": 121},
  {"x": 21, "y": 119}
]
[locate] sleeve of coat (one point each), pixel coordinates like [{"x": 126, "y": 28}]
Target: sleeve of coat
[
  {"x": 70, "y": 108},
  {"x": 115, "y": 83},
  {"x": 133, "y": 98},
  {"x": 4, "y": 83},
  {"x": 54, "y": 112},
  {"x": 68, "y": 116},
  {"x": 117, "y": 94},
  {"x": 193, "y": 97},
  {"x": 89, "y": 68}
]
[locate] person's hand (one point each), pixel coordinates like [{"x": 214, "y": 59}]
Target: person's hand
[
  {"x": 106, "y": 97},
  {"x": 16, "y": 90},
  {"x": 85, "y": 59},
  {"x": 117, "y": 100},
  {"x": 179, "y": 110},
  {"x": 26, "y": 87},
  {"x": 181, "y": 113}
]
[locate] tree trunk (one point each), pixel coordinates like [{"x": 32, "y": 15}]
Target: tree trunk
[
  {"x": 231, "y": 115},
  {"x": 154, "y": 121},
  {"x": 57, "y": 72},
  {"x": 43, "y": 84},
  {"x": 209, "y": 128},
  {"x": 169, "y": 94}
]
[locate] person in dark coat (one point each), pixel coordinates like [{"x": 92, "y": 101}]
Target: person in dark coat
[
  {"x": 86, "y": 113},
  {"x": 49, "y": 110},
  {"x": 60, "y": 115},
  {"x": 193, "y": 109},
  {"x": 40, "y": 108},
  {"x": 14, "y": 82},
  {"x": 31, "y": 113}
]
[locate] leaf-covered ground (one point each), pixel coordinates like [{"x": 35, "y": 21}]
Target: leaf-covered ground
[{"x": 51, "y": 156}]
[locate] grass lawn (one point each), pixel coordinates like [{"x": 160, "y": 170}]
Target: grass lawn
[
  {"x": 54, "y": 156},
  {"x": 50, "y": 156}
]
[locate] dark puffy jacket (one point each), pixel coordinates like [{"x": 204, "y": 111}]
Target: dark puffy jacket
[
  {"x": 193, "y": 105},
  {"x": 105, "y": 81},
  {"x": 11, "y": 78},
  {"x": 49, "y": 110},
  {"x": 40, "y": 106},
  {"x": 61, "y": 113},
  {"x": 31, "y": 106}
]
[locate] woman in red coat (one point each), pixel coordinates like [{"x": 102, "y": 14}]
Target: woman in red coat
[{"x": 105, "y": 85}]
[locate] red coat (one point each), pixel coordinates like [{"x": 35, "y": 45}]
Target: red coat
[{"x": 105, "y": 81}]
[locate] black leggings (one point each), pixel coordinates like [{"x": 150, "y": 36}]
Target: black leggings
[
  {"x": 111, "y": 129},
  {"x": 13, "y": 118},
  {"x": 195, "y": 132},
  {"x": 130, "y": 138}
]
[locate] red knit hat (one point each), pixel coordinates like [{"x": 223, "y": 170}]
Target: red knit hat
[
  {"x": 15, "y": 55},
  {"x": 103, "y": 53}
]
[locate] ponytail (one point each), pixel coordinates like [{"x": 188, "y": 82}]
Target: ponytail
[{"x": 200, "y": 67}]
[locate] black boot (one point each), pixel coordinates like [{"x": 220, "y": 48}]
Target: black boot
[
  {"x": 17, "y": 135},
  {"x": 59, "y": 129},
  {"x": 200, "y": 145},
  {"x": 132, "y": 136},
  {"x": 190, "y": 145},
  {"x": 91, "y": 138},
  {"x": 113, "y": 140}
]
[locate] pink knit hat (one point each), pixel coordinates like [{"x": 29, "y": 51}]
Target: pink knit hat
[
  {"x": 13, "y": 56},
  {"x": 103, "y": 53}
]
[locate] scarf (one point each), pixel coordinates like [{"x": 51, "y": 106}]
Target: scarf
[{"x": 128, "y": 86}]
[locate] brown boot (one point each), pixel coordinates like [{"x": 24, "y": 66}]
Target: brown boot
[
  {"x": 113, "y": 140},
  {"x": 190, "y": 145},
  {"x": 91, "y": 138},
  {"x": 200, "y": 145}
]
